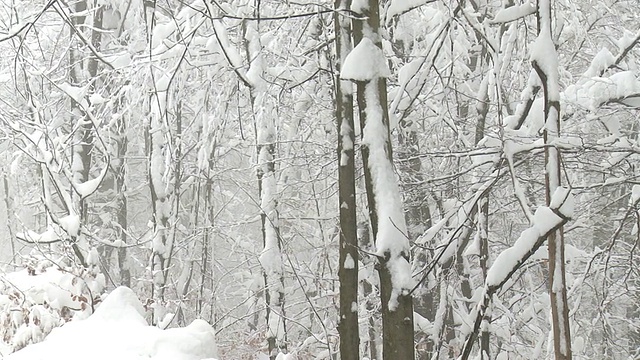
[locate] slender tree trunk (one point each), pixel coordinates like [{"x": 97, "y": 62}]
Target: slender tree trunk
[
  {"x": 6, "y": 194},
  {"x": 348, "y": 266},
  {"x": 545, "y": 63},
  {"x": 483, "y": 239},
  {"x": 161, "y": 202},
  {"x": 206, "y": 253},
  {"x": 370, "y": 346},
  {"x": 418, "y": 218},
  {"x": 271, "y": 256},
  {"x": 81, "y": 72},
  {"x": 483, "y": 205},
  {"x": 119, "y": 164}
]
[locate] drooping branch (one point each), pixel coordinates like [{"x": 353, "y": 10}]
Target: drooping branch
[{"x": 547, "y": 220}]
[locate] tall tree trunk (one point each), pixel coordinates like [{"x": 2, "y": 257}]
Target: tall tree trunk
[
  {"x": 383, "y": 195},
  {"x": 80, "y": 73},
  {"x": 271, "y": 256},
  {"x": 348, "y": 266},
  {"x": 160, "y": 199},
  {"x": 119, "y": 165},
  {"x": 483, "y": 203},
  {"x": 418, "y": 217},
  {"x": 158, "y": 144},
  {"x": 545, "y": 62},
  {"x": 6, "y": 195},
  {"x": 119, "y": 144},
  {"x": 370, "y": 346}
]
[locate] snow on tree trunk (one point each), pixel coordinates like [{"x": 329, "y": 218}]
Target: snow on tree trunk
[
  {"x": 82, "y": 73},
  {"x": 118, "y": 142},
  {"x": 348, "y": 266},
  {"x": 367, "y": 66},
  {"x": 545, "y": 62},
  {"x": 121, "y": 142},
  {"x": 271, "y": 256},
  {"x": 159, "y": 172}
]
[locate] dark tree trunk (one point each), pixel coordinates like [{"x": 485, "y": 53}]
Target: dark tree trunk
[
  {"x": 348, "y": 267},
  {"x": 557, "y": 280},
  {"x": 397, "y": 319}
]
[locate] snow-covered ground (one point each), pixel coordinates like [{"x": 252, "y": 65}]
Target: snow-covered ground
[{"x": 118, "y": 330}]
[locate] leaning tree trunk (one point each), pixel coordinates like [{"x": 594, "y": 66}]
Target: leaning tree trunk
[{"x": 545, "y": 62}]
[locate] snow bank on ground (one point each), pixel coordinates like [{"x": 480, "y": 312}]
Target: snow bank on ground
[
  {"x": 41, "y": 297},
  {"x": 118, "y": 330}
]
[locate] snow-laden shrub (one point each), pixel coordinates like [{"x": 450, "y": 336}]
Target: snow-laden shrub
[
  {"x": 118, "y": 330},
  {"x": 42, "y": 296}
]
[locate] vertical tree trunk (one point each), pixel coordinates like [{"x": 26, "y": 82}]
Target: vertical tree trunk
[
  {"x": 383, "y": 196},
  {"x": 545, "y": 62},
  {"x": 160, "y": 199},
  {"x": 271, "y": 256},
  {"x": 175, "y": 148},
  {"x": 6, "y": 194},
  {"x": 418, "y": 218},
  {"x": 348, "y": 266},
  {"x": 81, "y": 159},
  {"x": 119, "y": 165},
  {"x": 483, "y": 239},
  {"x": 158, "y": 147},
  {"x": 483, "y": 208},
  {"x": 81, "y": 72}
]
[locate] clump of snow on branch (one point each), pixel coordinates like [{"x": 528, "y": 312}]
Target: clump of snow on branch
[
  {"x": 603, "y": 59},
  {"x": 359, "y": 6},
  {"x": 75, "y": 92},
  {"x": 365, "y": 62},
  {"x": 70, "y": 224},
  {"x": 398, "y": 7},
  {"x": 543, "y": 53},
  {"x": 514, "y": 12},
  {"x": 563, "y": 201},
  {"x": 597, "y": 91},
  {"x": 52, "y": 234},
  {"x": 89, "y": 187},
  {"x": 544, "y": 220}
]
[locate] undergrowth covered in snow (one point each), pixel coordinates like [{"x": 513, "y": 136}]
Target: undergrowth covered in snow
[{"x": 51, "y": 312}]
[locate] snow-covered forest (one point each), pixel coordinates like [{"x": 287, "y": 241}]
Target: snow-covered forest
[{"x": 358, "y": 179}]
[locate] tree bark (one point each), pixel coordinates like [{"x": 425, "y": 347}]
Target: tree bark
[
  {"x": 397, "y": 303},
  {"x": 265, "y": 127},
  {"x": 348, "y": 266},
  {"x": 547, "y": 71}
]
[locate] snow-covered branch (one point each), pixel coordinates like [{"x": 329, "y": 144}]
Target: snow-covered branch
[{"x": 547, "y": 220}]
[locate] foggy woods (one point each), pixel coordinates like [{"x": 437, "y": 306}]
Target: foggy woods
[{"x": 358, "y": 179}]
